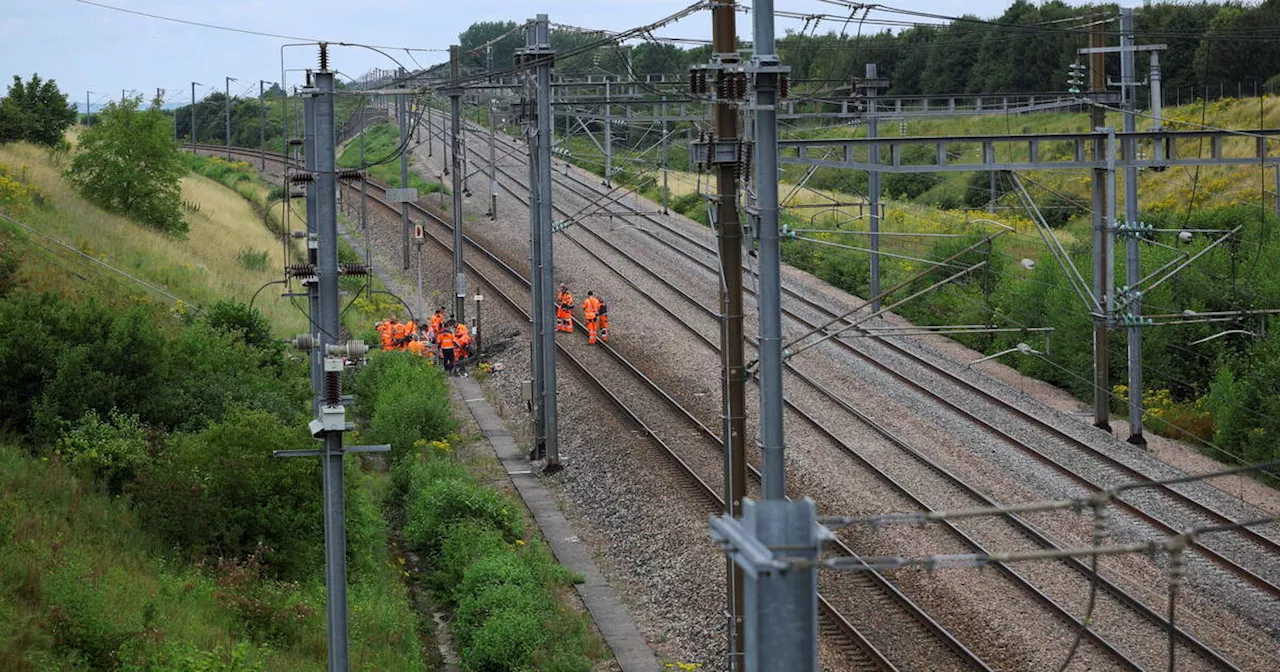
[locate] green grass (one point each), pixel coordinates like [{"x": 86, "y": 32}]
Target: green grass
[
  {"x": 77, "y": 573},
  {"x": 83, "y": 583},
  {"x": 380, "y": 144}
]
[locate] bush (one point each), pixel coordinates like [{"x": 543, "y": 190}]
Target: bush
[
  {"x": 442, "y": 503},
  {"x": 474, "y": 609},
  {"x": 114, "y": 450},
  {"x": 253, "y": 260},
  {"x": 80, "y": 620},
  {"x": 220, "y": 493},
  {"x": 686, "y": 204},
  {"x": 911, "y": 185},
  {"x": 128, "y": 163},
  {"x": 505, "y": 642},
  {"x": 978, "y": 189},
  {"x": 249, "y": 325},
  {"x": 410, "y": 403}
]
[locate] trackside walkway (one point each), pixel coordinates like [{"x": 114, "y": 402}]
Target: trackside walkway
[{"x": 611, "y": 617}]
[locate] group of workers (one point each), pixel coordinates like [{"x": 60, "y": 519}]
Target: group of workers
[
  {"x": 442, "y": 337},
  {"x": 594, "y": 311}
]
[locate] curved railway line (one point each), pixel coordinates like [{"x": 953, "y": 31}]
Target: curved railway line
[{"x": 700, "y": 463}]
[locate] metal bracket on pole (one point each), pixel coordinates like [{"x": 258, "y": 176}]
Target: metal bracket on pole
[{"x": 777, "y": 544}]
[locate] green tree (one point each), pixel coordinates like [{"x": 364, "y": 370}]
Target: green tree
[
  {"x": 128, "y": 163},
  {"x": 35, "y": 111},
  {"x": 500, "y": 54}
]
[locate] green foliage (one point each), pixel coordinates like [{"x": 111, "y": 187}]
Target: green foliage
[
  {"x": 128, "y": 163},
  {"x": 505, "y": 641},
  {"x": 410, "y": 401},
  {"x": 114, "y": 450},
  {"x": 381, "y": 149},
  {"x": 433, "y": 508},
  {"x": 249, "y": 325},
  {"x": 220, "y": 493},
  {"x": 35, "y": 111},
  {"x": 60, "y": 360},
  {"x": 907, "y": 186},
  {"x": 497, "y": 55},
  {"x": 84, "y": 626}
]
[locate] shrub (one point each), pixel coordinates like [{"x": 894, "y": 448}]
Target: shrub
[
  {"x": 474, "y": 610},
  {"x": 411, "y": 403},
  {"x": 505, "y": 642},
  {"x": 687, "y": 203},
  {"x": 463, "y": 544},
  {"x": 114, "y": 450},
  {"x": 444, "y": 502},
  {"x": 128, "y": 163},
  {"x": 268, "y": 611},
  {"x": 248, "y": 324},
  {"x": 253, "y": 260},
  {"x": 220, "y": 493},
  {"x": 80, "y": 620}
]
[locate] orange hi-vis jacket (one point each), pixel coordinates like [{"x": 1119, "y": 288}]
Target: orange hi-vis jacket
[
  {"x": 565, "y": 300},
  {"x": 591, "y": 307},
  {"x": 437, "y": 322},
  {"x": 417, "y": 347},
  {"x": 446, "y": 340}
]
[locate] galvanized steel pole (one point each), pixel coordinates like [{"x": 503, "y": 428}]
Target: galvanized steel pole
[
  {"x": 193, "y": 116},
  {"x": 542, "y": 30},
  {"x": 262, "y": 122},
  {"x": 327, "y": 278},
  {"x": 769, "y": 293},
  {"x": 873, "y": 188},
  {"x": 1133, "y": 273},
  {"x": 493, "y": 163},
  {"x": 402, "y": 116},
  {"x": 537, "y": 291},
  {"x": 608, "y": 136},
  {"x": 459, "y": 170},
  {"x": 313, "y": 296},
  {"x": 227, "y": 107},
  {"x": 1101, "y": 239}
]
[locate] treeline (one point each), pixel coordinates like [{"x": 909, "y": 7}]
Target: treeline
[{"x": 1027, "y": 48}]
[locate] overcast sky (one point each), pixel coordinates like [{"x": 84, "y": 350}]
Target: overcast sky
[{"x": 86, "y": 47}]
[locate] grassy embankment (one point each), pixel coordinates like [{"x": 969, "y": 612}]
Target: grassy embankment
[{"x": 105, "y": 556}]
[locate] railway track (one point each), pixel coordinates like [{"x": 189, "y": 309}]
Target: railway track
[
  {"x": 1128, "y": 600},
  {"x": 833, "y": 622},
  {"x": 1191, "y": 646},
  {"x": 857, "y": 649}
]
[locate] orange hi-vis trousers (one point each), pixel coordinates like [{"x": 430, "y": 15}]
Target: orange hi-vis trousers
[
  {"x": 593, "y": 325},
  {"x": 564, "y": 319},
  {"x": 604, "y": 326}
]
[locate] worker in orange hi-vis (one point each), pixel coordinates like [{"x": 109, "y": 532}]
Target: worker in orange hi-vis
[
  {"x": 389, "y": 328},
  {"x": 448, "y": 349},
  {"x": 417, "y": 346},
  {"x": 564, "y": 310},
  {"x": 400, "y": 334},
  {"x": 604, "y": 320},
  {"x": 437, "y": 321},
  {"x": 591, "y": 311},
  {"x": 463, "y": 335}
]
